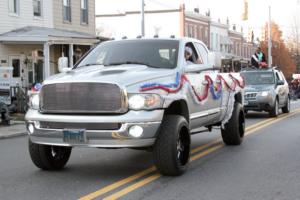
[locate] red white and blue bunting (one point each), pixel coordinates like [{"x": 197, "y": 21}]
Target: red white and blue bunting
[{"x": 214, "y": 88}]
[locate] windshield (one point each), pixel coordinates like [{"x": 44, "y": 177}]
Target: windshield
[
  {"x": 153, "y": 53},
  {"x": 259, "y": 78}
]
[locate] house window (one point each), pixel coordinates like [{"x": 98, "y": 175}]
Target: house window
[
  {"x": 196, "y": 33},
  {"x": 84, "y": 11},
  {"x": 186, "y": 31},
  {"x": 37, "y": 8},
  {"x": 190, "y": 31},
  {"x": 14, "y": 6},
  {"x": 67, "y": 10}
]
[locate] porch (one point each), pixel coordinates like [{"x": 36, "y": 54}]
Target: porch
[{"x": 33, "y": 52}]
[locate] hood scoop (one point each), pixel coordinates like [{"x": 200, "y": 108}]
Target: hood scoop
[{"x": 110, "y": 72}]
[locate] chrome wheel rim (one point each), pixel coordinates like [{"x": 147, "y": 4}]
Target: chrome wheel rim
[{"x": 183, "y": 148}]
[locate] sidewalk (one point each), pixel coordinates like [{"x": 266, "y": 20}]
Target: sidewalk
[{"x": 17, "y": 128}]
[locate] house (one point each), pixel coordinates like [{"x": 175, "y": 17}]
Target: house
[{"x": 35, "y": 33}]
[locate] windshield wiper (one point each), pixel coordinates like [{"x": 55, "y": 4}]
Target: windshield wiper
[{"x": 129, "y": 62}]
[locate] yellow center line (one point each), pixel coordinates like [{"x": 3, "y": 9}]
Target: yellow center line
[
  {"x": 133, "y": 187},
  {"x": 249, "y": 130},
  {"x": 204, "y": 153},
  {"x": 155, "y": 176},
  {"x": 118, "y": 184}
]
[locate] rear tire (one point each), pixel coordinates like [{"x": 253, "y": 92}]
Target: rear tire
[
  {"x": 48, "y": 157},
  {"x": 171, "y": 150},
  {"x": 233, "y": 132},
  {"x": 287, "y": 107},
  {"x": 275, "y": 110}
]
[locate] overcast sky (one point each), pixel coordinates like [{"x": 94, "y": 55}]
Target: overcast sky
[{"x": 282, "y": 10}]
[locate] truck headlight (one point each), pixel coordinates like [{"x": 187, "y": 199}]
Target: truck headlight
[
  {"x": 34, "y": 102},
  {"x": 264, "y": 93},
  {"x": 145, "y": 101}
]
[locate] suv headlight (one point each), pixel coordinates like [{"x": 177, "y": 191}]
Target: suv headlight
[
  {"x": 264, "y": 93},
  {"x": 34, "y": 102},
  {"x": 145, "y": 101}
]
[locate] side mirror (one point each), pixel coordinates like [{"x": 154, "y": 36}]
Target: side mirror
[
  {"x": 280, "y": 82},
  {"x": 63, "y": 64}
]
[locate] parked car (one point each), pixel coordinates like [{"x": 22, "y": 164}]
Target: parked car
[
  {"x": 266, "y": 90},
  {"x": 138, "y": 94}
]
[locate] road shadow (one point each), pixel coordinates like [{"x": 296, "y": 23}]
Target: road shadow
[{"x": 257, "y": 115}]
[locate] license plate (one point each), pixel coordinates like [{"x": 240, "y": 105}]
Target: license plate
[
  {"x": 246, "y": 103},
  {"x": 74, "y": 136}
]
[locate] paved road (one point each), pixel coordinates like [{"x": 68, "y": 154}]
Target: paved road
[{"x": 266, "y": 166}]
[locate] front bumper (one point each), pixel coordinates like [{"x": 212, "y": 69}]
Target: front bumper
[
  {"x": 149, "y": 120},
  {"x": 259, "y": 103}
]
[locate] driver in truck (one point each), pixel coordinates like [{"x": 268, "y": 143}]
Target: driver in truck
[{"x": 188, "y": 52}]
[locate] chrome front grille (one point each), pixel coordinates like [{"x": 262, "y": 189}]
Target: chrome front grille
[
  {"x": 4, "y": 92},
  {"x": 251, "y": 95},
  {"x": 82, "y": 98},
  {"x": 87, "y": 126}
]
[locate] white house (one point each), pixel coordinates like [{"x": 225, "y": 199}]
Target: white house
[{"x": 35, "y": 33}]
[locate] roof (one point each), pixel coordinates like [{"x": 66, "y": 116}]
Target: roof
[
  {"x": 197, "y": 16},
  {"x": 34, "y": 34}
]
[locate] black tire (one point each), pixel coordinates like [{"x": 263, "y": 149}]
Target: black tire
[
  {"x": 287, "y": 107},
  {"x": 48, "y": 157},
  {"x": 275, "y": 110},
  {"x": 171, "y": 150},
  {"x": 234, "y": 130}
]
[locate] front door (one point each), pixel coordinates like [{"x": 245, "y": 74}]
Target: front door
[
  {"x": 15, "y": 62},
  {"x": 205, "y": 108}
]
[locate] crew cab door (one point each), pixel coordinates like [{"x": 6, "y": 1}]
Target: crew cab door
[{"x": 204, "y": 109}]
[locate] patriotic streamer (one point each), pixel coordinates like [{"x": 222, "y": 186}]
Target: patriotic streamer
[{"x": 215, "y": 90}]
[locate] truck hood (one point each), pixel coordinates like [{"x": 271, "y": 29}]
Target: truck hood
[
  {"x": 258, "y": 88},
  {"x": 124, "y": 75}
]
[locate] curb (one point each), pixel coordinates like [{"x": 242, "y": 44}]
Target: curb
[{"x": 12, "y": 135}]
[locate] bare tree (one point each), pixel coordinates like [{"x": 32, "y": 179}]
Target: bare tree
[{"x": 294, "y": 40}]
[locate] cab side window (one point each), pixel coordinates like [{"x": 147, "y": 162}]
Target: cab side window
[
  {"x": 277, "y": 77},
  {"x": 281, "y": 76},
  {"x": 203, "y": 53}
]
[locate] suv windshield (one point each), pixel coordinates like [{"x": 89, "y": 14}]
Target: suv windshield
[
  {"x": 153, "y": 53},
  {"x": 259, "y": 78}
]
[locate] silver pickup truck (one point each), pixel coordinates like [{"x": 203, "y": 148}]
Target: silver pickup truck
[{"x": 140, "y": 94}]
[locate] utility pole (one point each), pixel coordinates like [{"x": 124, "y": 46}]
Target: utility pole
[
  {"x": 269, "y": 40},
  {"x": 143, "y": 19}
]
